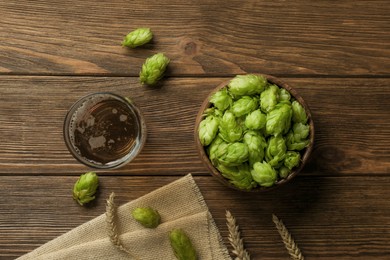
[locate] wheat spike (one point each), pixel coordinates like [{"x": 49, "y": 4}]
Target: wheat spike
[
  {"x": 288, "y": 241},
  {"x": 112, "y": 226},
  {"x": 235, "y": 238}
]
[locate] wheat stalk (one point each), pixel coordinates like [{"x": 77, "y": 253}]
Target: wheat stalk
[
  {"x": 235, "y": 238},
  {"x": 112, "y": 226},
  {"x": 288, "y": 241}
]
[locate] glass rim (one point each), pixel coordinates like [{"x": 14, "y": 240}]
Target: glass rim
[{"x": 140, "y": 140}]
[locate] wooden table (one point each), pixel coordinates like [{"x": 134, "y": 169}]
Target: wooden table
[{"x": 335, "y": 53}]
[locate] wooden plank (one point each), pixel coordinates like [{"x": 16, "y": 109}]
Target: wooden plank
[
  {"x": 201, "y": 38},
  {"x": 350, "y": 115},
  {"x": 329, "y": 217}
]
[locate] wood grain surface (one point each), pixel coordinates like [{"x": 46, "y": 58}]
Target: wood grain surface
[
  {"x": 328, "y": 217},
  {"x": 351, "y": 118},
  {"x": 201, "y": 37},
  {"x": 336, "y": 54}
]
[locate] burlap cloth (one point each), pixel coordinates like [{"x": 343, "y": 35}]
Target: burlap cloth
[{"x": 180, "y": 204}]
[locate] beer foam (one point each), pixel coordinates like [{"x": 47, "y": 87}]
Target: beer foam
[
  {"x": 122, "y": 118},
  {"x": 97, "y": 142}
]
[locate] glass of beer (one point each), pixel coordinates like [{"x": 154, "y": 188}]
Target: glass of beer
[{"x": 104, "y": 130}]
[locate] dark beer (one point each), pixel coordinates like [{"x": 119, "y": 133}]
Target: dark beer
[{"x": 104, "y": 130}]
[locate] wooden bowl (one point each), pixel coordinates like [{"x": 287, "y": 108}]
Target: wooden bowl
[{"x": 305, "y": 153}]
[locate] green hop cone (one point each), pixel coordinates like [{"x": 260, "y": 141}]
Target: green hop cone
[
  {"x": 269, "y": 98},
  {"x": 296, "y": 144},
  {"x": 208, "y": 129},
  {"x": 213, "y": 111},
  {"x": 279, "y": 119},
  {"x": 276, "y": 151},
  {"x": 137, "y": 37},
  {"x": 153, "y": 69},
  {"x": 221, "y": 99},
  {"x": 239, "y": 176},
  {"x": 301, "y": 131},
  {"x": 256, "y": 144},
  {"x": 284, "y": 95},
  {"x": 292, "y": 159},
  {"x": 244, "y": 106},
  {"x": 296, "y": 138},
  {"x": 284, "y": 172},
  {"x": 85, "y": 188},
  {"x": 264, "y": 174},
  {"x": 299, "y": 113},
  {"x": 232, "y": 154},
  {"x": 243, "y": 85},
  {"x": 229, "y": 129},
  {"x": 147, "y": 217},
  {"x": 182, "y": 245},
  {"x": 255, "y": 120},
  {"x": 213, "y": 147}
]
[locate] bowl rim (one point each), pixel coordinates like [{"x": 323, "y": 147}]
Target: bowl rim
[{"x": 306, "y": 152}]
